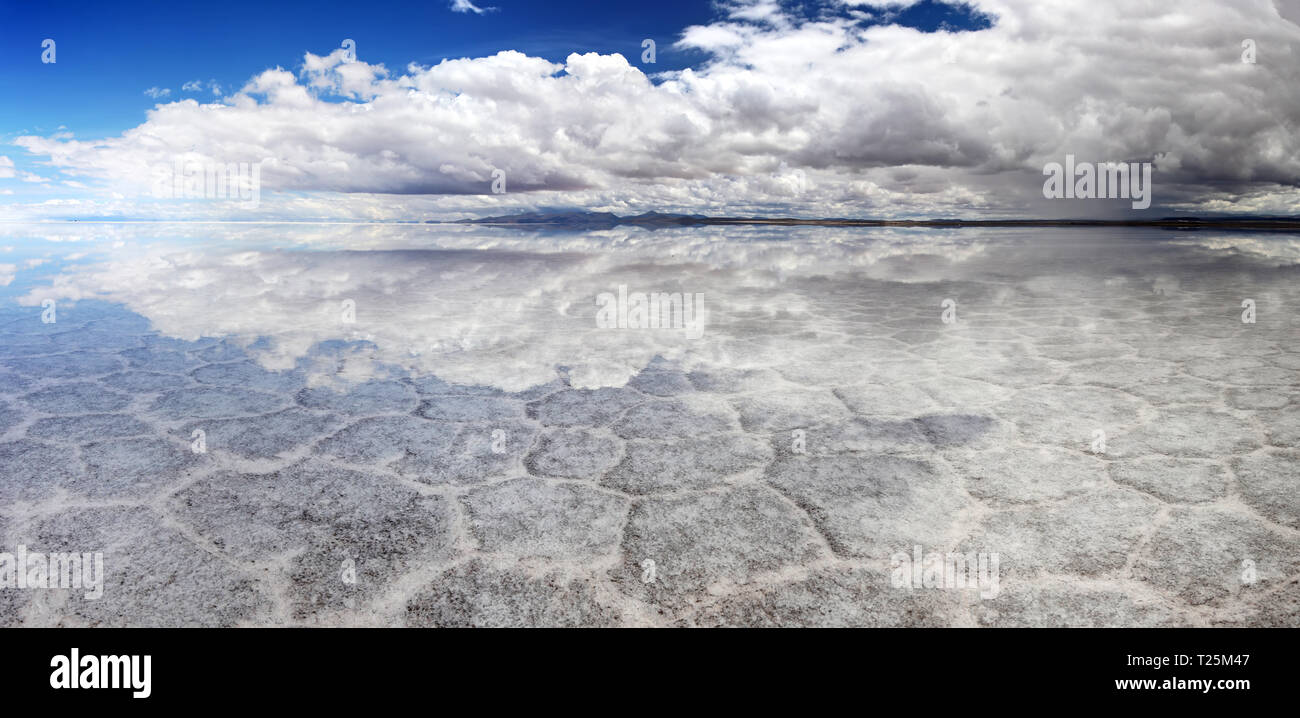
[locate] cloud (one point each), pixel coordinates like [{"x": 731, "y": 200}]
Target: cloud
[
  {"x": 6, "y": 167},
  {"x": 1288, "y": 9},
  {"x": 198, "y": 85},
  {"x": 467, "y": 6},
  {"x": 786, "y": 115},
  {"x": 157, "y": 92}
]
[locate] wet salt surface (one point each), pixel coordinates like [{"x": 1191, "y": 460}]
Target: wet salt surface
[{"x": 475, "y": 450}]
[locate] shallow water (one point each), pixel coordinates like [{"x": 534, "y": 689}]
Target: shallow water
[{"x": 429, "y": 425}]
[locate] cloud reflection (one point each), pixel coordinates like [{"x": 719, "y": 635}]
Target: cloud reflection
[{"x": 509, "y": 309}]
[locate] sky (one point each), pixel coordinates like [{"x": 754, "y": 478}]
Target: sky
[{"x": 822, "y": 108}]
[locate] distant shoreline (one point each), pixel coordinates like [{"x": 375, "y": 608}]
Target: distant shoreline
[
  {"x": 597, "y": 221},
  {"x": 583, "y": 221}
]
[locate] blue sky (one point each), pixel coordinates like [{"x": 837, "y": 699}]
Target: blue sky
[{"x": 109, "y": 55}]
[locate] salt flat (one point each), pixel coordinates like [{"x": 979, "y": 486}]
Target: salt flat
[{"x": 469, "y": 447}]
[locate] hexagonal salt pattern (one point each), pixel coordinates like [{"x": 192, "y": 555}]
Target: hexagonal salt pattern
[{"x": 1131, "y": 457}]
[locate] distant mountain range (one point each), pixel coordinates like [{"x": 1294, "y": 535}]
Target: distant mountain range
[
  {"x": 588, "y": 220},
  {"x": 570, "y": 219}
]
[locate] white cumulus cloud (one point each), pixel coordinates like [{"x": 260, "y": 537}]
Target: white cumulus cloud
[
  {"x": 785, "y": 115},
  {"x": 467, "y": 6}
]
